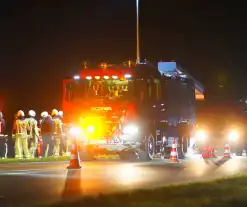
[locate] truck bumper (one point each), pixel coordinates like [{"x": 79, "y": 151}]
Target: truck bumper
[{"x": 106, "y": 148}]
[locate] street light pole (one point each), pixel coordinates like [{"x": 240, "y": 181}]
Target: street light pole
[{"x": 137, "y": 33}]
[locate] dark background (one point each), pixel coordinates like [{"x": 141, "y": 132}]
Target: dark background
[{"x": 43, "y": 41}]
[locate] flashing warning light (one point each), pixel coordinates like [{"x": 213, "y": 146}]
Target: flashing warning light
[
  {"x": 76, "y": 77},
  {"x": 127, "y": 76},
  {"x": 89, "y": 77},
  {"x": 114, "y": 77},
  {"x": 106, "y": 77},
  {"x": 199, "y": 96},
  {"x": 97, "y": 77}
]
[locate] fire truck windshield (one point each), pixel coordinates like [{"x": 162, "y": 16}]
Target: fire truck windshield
[{"x": 107, "y": 89}]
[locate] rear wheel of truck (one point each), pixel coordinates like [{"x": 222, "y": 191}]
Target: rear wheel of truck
[{"x": 147, "y": 152}]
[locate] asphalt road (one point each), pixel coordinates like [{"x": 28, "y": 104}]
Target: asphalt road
[{"x": 27, "y": 184}]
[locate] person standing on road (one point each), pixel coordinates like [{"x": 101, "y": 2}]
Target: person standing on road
[
  {"x": 43, "y": 115},
  {"x": 33, "y": 133},
  {"x": 63, "y": 140},
  {"x": 47, "y": 134},
  {"x": 40, "y": 141},
  {"x": 57, "y": 131},
  {"x": 20, "y": 130},
  {"x": 3, "y": 138}
]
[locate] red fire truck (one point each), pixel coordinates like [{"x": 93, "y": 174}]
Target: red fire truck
[{"x": 133, "y": 110}]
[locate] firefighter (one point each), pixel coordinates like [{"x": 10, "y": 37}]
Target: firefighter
[
  {"x": 63, "y": 140},
  {"x": 43, "y": 115},
  {"x": 40, "y": 141},
  {"x": 3, "y": 138},
  {"x": 57, "y": 131},
  {"x": 33, "y": 133},
  {"x": 20, "y": 130},
  {"x": 47, "y": 134}
]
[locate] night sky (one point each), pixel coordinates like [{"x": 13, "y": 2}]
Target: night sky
[{"x": 43, "y": 41}]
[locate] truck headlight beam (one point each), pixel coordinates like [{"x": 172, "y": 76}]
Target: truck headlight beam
[
  {"x": 233, "y": 135},
  {"x": 201, "y": 135},
  {"x": 75, "y": 131},
  {"x": 130, "y": 129}
]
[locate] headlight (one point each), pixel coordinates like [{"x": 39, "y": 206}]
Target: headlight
[
  {"x": 130, "y": 129},
  {"x": 90, "y": 129},
  {"x": 233, "y": 135},
  {"x": 75, "y": 131},
  {"x": 201, "y": 134}
]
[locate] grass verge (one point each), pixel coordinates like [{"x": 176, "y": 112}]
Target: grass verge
[
  {"x": 50, "y": 159},
  {"x": 217, "y": 193},
  {"x": 46, "y": 159}
]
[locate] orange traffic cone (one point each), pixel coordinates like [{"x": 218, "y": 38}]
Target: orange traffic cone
[
  {"x": 227, "y": 153},
  {"x": 74, "y": 157},
  {"x": 212, "y": 153},
  {"x": 205, "y": 153},
  {"x": 40, "y": 148},
  {"x": 174, "y": 153}
]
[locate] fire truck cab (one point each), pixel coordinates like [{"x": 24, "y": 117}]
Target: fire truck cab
[{"x": 134, "y": 110}]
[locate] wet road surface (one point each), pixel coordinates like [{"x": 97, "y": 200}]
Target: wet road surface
[{"x": 26, "y": 184}]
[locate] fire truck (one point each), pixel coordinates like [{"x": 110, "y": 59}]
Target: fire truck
[{"x": 134, "y": 110}]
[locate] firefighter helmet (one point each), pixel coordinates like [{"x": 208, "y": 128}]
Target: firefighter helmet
[
  {"x": 44, "y": 114},
  {"x": 20, "y": 113},
  {"x": 32, "y": 113},
  {"x": 54, "y": 112},
  {"x": 60, "y": 113}
]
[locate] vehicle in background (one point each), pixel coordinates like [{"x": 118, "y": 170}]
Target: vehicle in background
[{"x": 223, "y": 122}]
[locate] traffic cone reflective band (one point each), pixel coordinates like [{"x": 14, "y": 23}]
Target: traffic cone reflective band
[
  {"x": 74, "y": 157},
  {"x": 244, "y": 153},
  {"x": 227, "y": 153},
  {"x": 174, "y": 153}
]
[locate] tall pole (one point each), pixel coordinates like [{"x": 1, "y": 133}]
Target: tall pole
[{"x": 137, "y": 33}]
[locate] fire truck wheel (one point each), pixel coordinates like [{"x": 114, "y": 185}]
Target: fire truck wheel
[{"x": 147, "y": 153}]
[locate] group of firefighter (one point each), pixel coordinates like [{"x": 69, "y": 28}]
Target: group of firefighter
[{"x": 33, "y": 138}]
